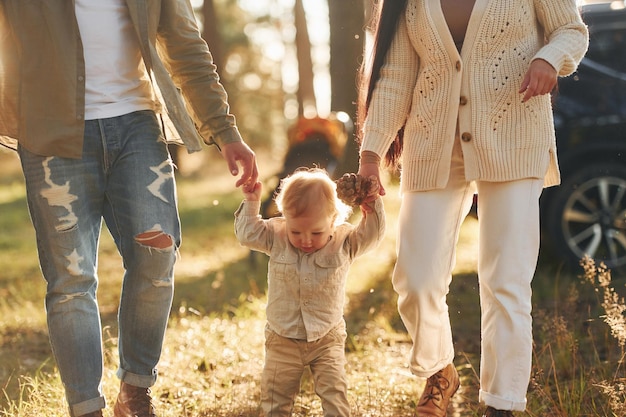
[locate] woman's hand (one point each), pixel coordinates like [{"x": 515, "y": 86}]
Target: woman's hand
[
  {"x": 372, "y": 169},
  {"x": 540, "y": 79},
  {"x": 368, "y": 169}
]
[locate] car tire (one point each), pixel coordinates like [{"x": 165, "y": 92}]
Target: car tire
[{"x": 587, "y": 215}]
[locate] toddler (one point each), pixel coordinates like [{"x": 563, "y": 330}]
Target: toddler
[{"x": 310, "y": 248}]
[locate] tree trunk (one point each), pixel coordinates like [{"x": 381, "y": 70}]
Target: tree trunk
[
  {"x": 307, "y": 105},
  {"x": 347, "y": 37},
  {"x": 211, "y": 34}
]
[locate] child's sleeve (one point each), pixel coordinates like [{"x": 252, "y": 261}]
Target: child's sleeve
[
  {"x": 370, "y": 231},
  {"x": 251, "y": 230}
]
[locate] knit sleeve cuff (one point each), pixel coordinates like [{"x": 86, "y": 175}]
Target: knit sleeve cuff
[
  {"x": 375, "y": 142},
  {"x": 369, "y": 157}
]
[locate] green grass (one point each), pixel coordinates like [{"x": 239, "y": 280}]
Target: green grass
[{"x": 213, "y": 354}]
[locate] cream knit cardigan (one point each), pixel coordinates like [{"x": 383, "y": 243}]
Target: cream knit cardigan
[{"x": 426, "y": 83}]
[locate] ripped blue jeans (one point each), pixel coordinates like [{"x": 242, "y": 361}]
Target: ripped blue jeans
[{"x": 126, "y": 178}]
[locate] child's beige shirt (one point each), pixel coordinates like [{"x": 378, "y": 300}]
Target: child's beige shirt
[{"x": 306, "y": 291}]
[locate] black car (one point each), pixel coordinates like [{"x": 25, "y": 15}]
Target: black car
[{"x": 586, "y": 214}]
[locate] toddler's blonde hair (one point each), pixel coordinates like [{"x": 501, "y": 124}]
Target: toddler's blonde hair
[{"x": 311, "y": 189}]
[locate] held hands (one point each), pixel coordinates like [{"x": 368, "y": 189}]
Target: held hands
[
  {"x": 540, "y": 79},
  {"x": 252, "y": 191},
  {"x": 355, "y": 190},
  {"x": 368, "y": 169},
  {"x": 238, "y": 153}
]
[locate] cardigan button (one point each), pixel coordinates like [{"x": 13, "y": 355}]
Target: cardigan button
[
  {"x": 466, "y": 137},
  {"x": 463, "y": 101},
  {"x": 458, "y": 65}
]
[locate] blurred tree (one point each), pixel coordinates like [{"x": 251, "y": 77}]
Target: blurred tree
[
  {"x": 307, "y": 104},
  {"x": 208, "y": 20},
  {"x": 210, "y": 32},
  {"x": 242, "y": 46},
  {"x": 346, "y": 50},
  {"x": 252, "y": 47}
]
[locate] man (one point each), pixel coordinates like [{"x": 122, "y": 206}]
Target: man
[{"x": 90, "y": 91}]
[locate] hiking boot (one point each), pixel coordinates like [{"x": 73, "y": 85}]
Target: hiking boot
[
  {"x": 439, "y": 389},
  {"x": 93, "y": 414},
  {"x": 133, "y": 401},
  {"x": 492, "y": 412}
]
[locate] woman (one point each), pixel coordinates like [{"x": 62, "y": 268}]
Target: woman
[{"x": 460, "y": 89}]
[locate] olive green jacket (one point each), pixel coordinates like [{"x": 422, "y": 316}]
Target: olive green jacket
[{"x": 42, "y": 76}]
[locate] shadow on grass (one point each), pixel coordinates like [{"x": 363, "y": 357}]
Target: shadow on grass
[{"x": 225, "y": 290}]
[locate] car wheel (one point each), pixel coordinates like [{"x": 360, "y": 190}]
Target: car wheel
[{"x": 587, "y": 215}]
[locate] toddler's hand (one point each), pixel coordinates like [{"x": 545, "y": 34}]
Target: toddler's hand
[{"x": 252, "y": 190}]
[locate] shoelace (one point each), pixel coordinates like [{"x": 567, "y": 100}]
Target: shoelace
[
  {"x": 435, "y": 386},
  {"x": 141, "y": 398}
]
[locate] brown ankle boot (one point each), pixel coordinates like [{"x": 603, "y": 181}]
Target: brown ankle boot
[
  {"x": 492, "y": 412},
  {"x": 133, "y": 401},
  {"x": 439, "y": 389},
  {"x": 93, "y": 414}
]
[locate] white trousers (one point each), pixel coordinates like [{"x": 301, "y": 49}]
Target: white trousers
[{"x": 429, "y": 224}]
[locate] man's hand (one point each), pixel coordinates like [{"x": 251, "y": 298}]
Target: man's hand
[
  {"x": 239, "y": 153},
  {"x": 540, "y": 79}
]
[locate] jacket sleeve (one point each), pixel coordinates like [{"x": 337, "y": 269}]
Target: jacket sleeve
[
  {"x": 9, "y": 87},
  {"x": 567, "y": 36},
  {"x": 190, "y": 63}
]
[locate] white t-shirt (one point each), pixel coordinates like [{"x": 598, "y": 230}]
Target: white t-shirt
[{"x": 117, "y": 82}]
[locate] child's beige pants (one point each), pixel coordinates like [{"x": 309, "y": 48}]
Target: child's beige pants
[{"x": 285, "y": 361}]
